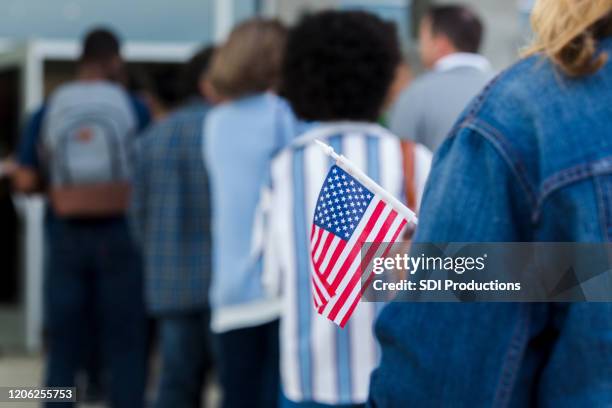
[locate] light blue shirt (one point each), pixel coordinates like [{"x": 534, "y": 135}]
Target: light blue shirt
[{"x": 242, "y": 137}]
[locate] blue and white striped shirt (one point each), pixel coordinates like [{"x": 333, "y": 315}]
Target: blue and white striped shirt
[{"x": 319, "y": 361}]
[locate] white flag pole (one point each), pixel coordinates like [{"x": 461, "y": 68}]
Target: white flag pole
[{"x": 370, "y": 184}]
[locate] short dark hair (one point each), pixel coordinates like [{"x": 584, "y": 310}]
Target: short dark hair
[
  {"x": 339, "y": 65},
  {"x": 459, "y": 23},
  {"x": 194, "y": 70},
  {"x": 100, "y": 45}
]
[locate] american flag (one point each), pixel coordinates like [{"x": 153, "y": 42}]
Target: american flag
[{"x": 347, "y": 215}]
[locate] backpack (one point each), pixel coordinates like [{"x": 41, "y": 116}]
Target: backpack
[{"x": 86, "y": 137}]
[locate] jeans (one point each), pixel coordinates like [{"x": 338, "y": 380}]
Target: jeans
[
  {"x": 93, "y": 272},
  {"x": 248, "y": 364},
  {"x": 287, "y": 403},
  {"x": 185, "y": 358}
]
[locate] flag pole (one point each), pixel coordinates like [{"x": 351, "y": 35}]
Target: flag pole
[{"x": 370, "y": 184}]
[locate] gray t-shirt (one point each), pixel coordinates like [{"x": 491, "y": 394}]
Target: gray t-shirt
[{"x": 427, "y": 110}]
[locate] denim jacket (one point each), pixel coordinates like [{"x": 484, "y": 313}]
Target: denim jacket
[{"x": 529, "y": 160}]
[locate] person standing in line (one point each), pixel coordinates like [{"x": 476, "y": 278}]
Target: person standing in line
[
  {"x": 529, "y": 161},
  {"x": 449, "y": 40},
  {"x": 76, "y": 149},
  {"x": 338, "y": 73},
  {"x": 242, "y": 134},
  {"x": 170, "y": 216}
]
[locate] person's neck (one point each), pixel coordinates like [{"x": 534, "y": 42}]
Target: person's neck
[{"x": 91, "y": 73}]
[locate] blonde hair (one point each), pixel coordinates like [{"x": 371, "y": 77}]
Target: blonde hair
[
  {"x": 250, "y": 60},
  {"x": 567, "y": 32}
]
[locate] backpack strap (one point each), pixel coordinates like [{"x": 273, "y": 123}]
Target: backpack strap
[{"x": 408, "y": 156}]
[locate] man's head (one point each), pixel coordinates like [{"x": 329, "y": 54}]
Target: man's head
[
  {"x": 102, "y": 51},
  {"x": 446, "y": 30},
  {"x": 194, "y": 73},
  {"x": 339, "y": 65}
]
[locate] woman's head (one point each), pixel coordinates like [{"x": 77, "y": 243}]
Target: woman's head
[
  {"x": 567, "y": 31},
  {"x": 339, "y": 65},
  {"x": 250, "y": 60}
]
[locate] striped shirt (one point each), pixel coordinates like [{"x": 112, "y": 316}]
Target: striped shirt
[{"x": 319, "y": 361}]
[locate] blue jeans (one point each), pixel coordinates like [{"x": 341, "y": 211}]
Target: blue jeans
[
  {"x": 94, "y": 273},
  {"x": 186, "y": 358},
  {"x": 287, "y": 403},
  {"x": 248, "y": 364}
]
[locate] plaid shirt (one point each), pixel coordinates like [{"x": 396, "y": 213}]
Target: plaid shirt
[{"x": 170, "y": 211}]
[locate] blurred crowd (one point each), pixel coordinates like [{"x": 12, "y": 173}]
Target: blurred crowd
[{"x": 178, "y": 222}]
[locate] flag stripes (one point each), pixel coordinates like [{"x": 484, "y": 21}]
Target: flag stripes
[{"x": 348, "y": 215}]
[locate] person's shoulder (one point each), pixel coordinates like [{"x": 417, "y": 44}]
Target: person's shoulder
[
  {"x": 421, "y": 152},
  {"x": 61, "y": 91},
  {"x": 519, "y": 85},
  {"x": 188, "y": 113},
  {"x": 419, "y": 86}
]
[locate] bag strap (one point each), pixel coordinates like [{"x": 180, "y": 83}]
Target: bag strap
[{"x": 409, "y": 173}]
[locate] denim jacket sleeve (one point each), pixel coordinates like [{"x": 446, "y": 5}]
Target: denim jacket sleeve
[{"x": 473, "y": 193}]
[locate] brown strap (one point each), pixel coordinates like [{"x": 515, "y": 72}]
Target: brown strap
[
  {"x": 99, "y": 200},
  {"x": 409, "y": 174}
]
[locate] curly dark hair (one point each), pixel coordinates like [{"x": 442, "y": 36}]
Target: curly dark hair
[{"x": 339, "y": 65}]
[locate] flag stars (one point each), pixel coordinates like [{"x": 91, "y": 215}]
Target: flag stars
[{"x": 342, "y": 203}]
